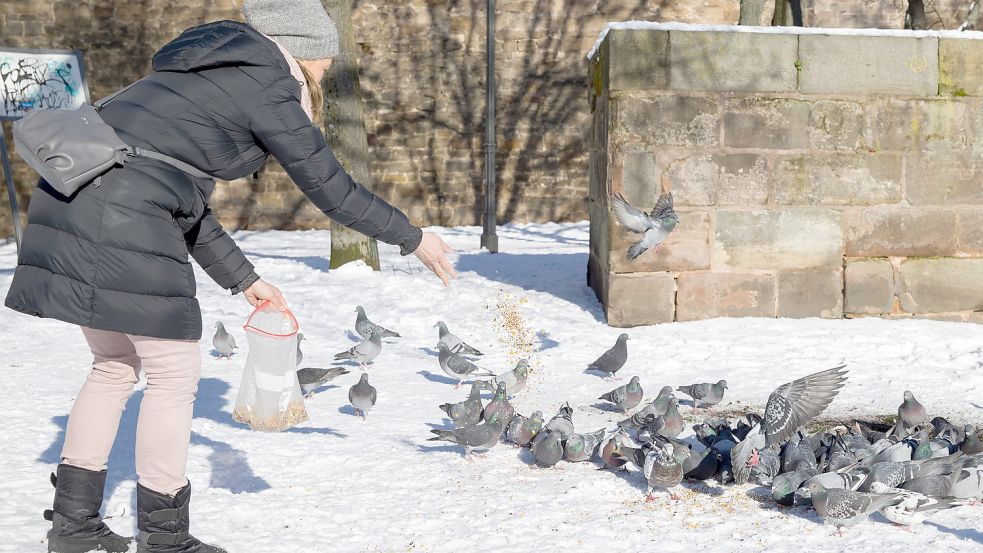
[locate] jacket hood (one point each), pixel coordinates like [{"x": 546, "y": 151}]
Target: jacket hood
[{"x": 218, "y": 44}]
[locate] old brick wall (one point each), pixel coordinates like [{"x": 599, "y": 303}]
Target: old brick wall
[
  {"x": 422, "y": 73},
  {"x": 839, "y": 176}
]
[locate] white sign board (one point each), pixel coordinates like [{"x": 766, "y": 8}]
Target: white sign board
[{"x": 40, "y": 79}]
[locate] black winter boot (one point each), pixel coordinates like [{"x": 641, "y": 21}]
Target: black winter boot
[
  {"x": 76, "y": 526},
  {"x": 164, "y": 521}
]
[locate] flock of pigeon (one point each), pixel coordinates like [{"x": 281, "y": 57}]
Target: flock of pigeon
[{"x": 905, "y": 471}]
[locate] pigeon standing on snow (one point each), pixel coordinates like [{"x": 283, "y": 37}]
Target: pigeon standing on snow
[
  {"x": 654, "y": 226},
  {"x": 363, "y": 326},
  {"x": 362, "y": 396},
  {"x": 707, "y": 393},
  {"x": 971, "y": 444},
  {"x": 514, "y": 380},
  {"x": 613, "y": 359},
  {"x": 547, "y": 449},
  {"x": 794, "y": 404},
  {"x": 458, "y": 367},
  {"x": 656, "y": 408},
  {"x": 467, "y": 412},
  {"x": 911, "y": 413},
  {"x": 673, "y": 421},
  {"x": 625, "y": 397},
  {"x": 483, "y": 436},
  {"x": 311, "y": 378},
  {"x": 452, "y": 342},
  {"x": 581, "y": 447},
  {"x": 499, "y": 407},
  {"x": 300, "y": 354},
  {"x": 363, "y": 352},
  {"x": 562, "y": 422},
  {"x": 225, "y": 343},
  {"x": 846, "y": 507},
  {"x": 662, "y": 469},
  {"x": 522, "y": 430}
]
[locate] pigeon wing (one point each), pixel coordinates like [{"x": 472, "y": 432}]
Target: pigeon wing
[
  {"x": 796, "y": 403},
  {"x": 663, "y": 207},
  {"x": 629, "y": 217}
]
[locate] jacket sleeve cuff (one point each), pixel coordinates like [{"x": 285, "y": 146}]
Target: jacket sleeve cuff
[
  {"x": 246, "y": 283},
  {"x": 412, "y": 242}
]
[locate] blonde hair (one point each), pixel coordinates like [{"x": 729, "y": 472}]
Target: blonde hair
[{"x": 317, "y": 94}]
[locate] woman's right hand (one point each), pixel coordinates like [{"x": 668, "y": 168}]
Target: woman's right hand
[
  {"x": 262, "y": 290},
  {"x": 433, "y": 251}
]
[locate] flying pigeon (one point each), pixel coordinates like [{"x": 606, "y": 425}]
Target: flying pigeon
[
  {"x": 311, "y": 378},
  {"x": 453, "y": 343},
  {"x": 362, "y": 396},
  {"x": 225, "y": 343},
  {"x": 482, "y": 437},
  {"x": 300, "y": 354},
  {"x": 562, "y": 422},
  {"x": 625, "y": 397},
  {"x": 654, "y": 226},
  {"x": 795, "y": 403},
  {"x": 363, "y": 352},
  {"x": 514, "y": 380},
  {"x": 845, "y": 507},
  {"x": 522, "y": 430},
  {"x": 467, "y": 412},
  {"x": 662, "y": 469},
  {"x": 547, "y": 449},
  {"x": 707, "y": 393},
  {"x": 458, "y": 367},
  {"x": 499, "y": 407},
  {"x": 613, "y": 359},
  {"x": 363, "y": 325}
]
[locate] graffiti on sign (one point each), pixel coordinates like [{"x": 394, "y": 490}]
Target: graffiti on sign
[{"x": 40, "y": 79}]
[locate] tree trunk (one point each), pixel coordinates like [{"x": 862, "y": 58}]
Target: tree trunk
[
  {"x": 972, "y": 18},
  {"x": 345, "y": 130},
  {"x": 751, "y": 12},
  {"x": 783, "y": 14},
  {"x": 915, "y": 17}
]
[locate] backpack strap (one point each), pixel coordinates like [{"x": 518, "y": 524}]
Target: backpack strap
[
  {"x": 177, "y": 163},
  {"x": 100, "y": 103}
]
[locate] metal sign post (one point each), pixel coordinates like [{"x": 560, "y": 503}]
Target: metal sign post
[
  {"x": 489, "y": 239},
  {"x": 33, "y": 79}
]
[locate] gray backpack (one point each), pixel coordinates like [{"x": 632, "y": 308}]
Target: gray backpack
[{"x": 71, "y": 148}]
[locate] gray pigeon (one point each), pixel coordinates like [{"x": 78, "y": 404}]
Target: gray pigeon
[
  {"x": 452, "y": 342},
  {"x": 662, "y": 469},
  {"x": 833, "y": 481},
  {"x": 784, "y": 485},
  {"x": 674, "y": 423},
  {"x": 363, "y": 352},
  {"x": 625, "y": 397},
  {"x": 846, "y": 507},
  {"x": 613, "y": 359},
  {"x": 467, "y": 412},
  {"x": 562, "y": 422},
  {"x": 795, "y": 403},
  {"x": 225, "y": 343},
  {"x": 911, "y": 413},
  {"x": 707, "y": 393},
  {"x": 654, "y": 226},
  {"x": 612, "y": 451},
  {"x": 311, "y": 378},
  {"x": 514, "y": 380},
  {"x": 362, "y": 396},
  {"x": 744, "y": 455},
  {"x": 581, "y": 447},
  {"x": 499, "y": 407},
  {"x": 363, "y": 325},
  {"x": 915, "y": 506},
  {"x": 300, "y": 354},
  {"x": 522, "y": 430},
  {"x": 971, "y": 444},
  {"x": 458, "y": 367},
  {"x": 656, "y": 408},
  {"x": 482, "y": 437},
  {"x": 547, "y": 449}
]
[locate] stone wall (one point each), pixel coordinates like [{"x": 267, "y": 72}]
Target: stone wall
[
  {"x": 422, "y": 76},
  {"x": 836, "y": 176}
]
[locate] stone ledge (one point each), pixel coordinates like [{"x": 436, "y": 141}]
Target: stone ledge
[
  {"x": 858, "y": 64},
  {"x": 722, "y": 62}
]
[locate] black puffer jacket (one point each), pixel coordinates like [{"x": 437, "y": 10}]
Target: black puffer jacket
[{"x": 115, "y": 256}]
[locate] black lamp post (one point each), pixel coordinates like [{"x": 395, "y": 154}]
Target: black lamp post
[{"x": 489, "y": 239}]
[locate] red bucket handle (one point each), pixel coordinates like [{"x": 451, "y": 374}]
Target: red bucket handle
[{"x": 259, "y": 307}]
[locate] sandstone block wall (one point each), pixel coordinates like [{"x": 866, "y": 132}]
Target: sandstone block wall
[{"x": 835, "y": 176}]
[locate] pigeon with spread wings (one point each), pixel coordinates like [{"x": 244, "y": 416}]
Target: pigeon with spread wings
[{"x": 654, "y": 227}]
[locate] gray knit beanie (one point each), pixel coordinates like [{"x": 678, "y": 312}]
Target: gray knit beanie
[{"x": 301, "y": 26}]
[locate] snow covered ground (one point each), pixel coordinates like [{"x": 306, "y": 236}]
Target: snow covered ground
[{"x": 337, "y": 483}]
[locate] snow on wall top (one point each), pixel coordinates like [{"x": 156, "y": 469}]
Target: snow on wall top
[{"x": 673, "y": 26}]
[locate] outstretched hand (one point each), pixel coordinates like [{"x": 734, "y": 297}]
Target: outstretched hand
[
  {"x": 433, "y": 251},
  {"x": 262, "y": 290}
]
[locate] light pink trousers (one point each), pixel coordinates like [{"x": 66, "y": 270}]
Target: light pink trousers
[{"x": 163, "y": 433}]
